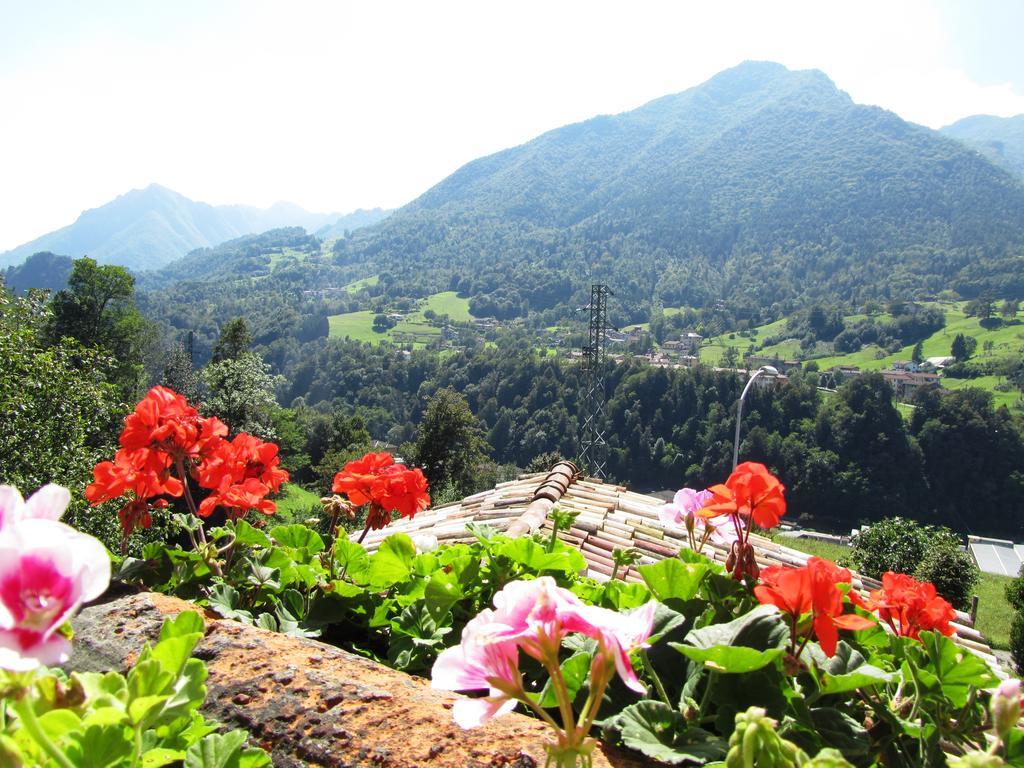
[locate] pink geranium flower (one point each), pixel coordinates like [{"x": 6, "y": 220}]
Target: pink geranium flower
[
  {"x": 619, "y": 634},
  {"x": 47, "y": 570},
  {"x": 479, "y": 663},
  {"x": 688, "y": 502},
  {"x": 535, "y": 616}
]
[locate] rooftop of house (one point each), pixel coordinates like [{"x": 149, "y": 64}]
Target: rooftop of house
[{"x": 610, "y": 517}]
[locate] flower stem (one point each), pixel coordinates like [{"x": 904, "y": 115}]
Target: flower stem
[
  {"x": 654, "y": 677},
  {"x": 27, "y": 716}
]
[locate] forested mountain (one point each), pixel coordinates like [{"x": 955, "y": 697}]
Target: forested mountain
[
  {"x": 1000, "y": 139},
  {"x": 148, "y": 228},
  {"x": 40, "y": 270},
  {"x": 363, "y": 217},
  {"x": 762, "y": 185}
]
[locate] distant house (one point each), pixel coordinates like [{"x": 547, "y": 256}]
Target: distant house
[
  {"x": 616, "y": 337},
  {"x": 905, "y": 365},
  {"x": 691, "y": 343},
  {"x": 938, "y": 363},
  {"x": 905, "y": 384}
]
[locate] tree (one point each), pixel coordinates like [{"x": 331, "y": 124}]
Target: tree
[
  {"x": 242, "y": 394},
  {"x": 235, "y": 340},
  {"x": 179, "y": 375},
  {"x": 450, "y": 442},
  {"x": 917, "y": 355},
  {"x": 97, "y": 309},
  {"x": 1009, "y": 309},
  {"x": 58, "y": 412},
  {"x": 963, "y": 347}
]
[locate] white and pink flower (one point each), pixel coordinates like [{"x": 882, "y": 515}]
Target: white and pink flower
[
  {"x": 687, "y": 503},
  {"x": 534, "y": 616},
  {"x": 47, "y": 571}
]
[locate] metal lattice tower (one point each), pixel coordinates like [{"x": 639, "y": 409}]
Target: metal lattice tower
[{"x": 593, "y": 418}]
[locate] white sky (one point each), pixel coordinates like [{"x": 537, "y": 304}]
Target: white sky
[{"x": 340, "y": 105}]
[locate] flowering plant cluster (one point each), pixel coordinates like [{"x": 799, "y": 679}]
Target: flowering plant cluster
[
  {"x": 535, "y": 617},
  {"x": 47, "y": 571},
  {"x": 376, "y": 480},
  {"x": 164, "y": 444},
  {"x": 725, "y": 514}
]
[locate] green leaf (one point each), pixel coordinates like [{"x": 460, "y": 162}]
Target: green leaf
[
  {"x": 185, "y": 623},
  {"x": 100, "y": 746},
  {"x": 161, "y": 756},
  {"x": 298, "y": 537},
  {"x": 216, "y": 751},
  {"x": 225, "y": 600},
  {"x": 955, "y": 669},
  {"x": 536, "y": 559},
  {"x": 761, "y": 628},
  {"x": 661, "y": 733},
  {"x": 839, "y": 730},
  {"x": 58, "y": 722},
  {"x": 865, "y": 676},
  {"x": 673, "y": 578},
  {"x": 442, "y": 591},
  {"x": 624, "y": 597},
  {"x": 246, "y": 535},
  {"x": 173, "y": 652},
  {"x": 392, "y": 563},
  {"x": 351, "y": 559},
  {"x": 574, "y": 671},
  {"x": 730, "y": 659}
]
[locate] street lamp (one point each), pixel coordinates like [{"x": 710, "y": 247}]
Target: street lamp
[{"x": 771, "y": 371}]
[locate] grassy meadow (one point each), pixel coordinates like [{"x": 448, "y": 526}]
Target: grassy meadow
[{"x": 414, "y": 327}]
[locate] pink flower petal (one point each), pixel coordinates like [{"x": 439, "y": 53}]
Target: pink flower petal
[
  {"x": 19, "y": 653},
  {"x": 48, "y": 503},
  {"x": 471, "y": 713}
]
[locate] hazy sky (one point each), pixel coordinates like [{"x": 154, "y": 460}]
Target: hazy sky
[{"x": 340, "y": 105}]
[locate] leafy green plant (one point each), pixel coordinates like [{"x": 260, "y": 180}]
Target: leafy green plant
[{"x": 149, "y": 717}]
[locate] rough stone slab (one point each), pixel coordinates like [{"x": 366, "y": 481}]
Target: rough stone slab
[{"x": 311, "y": 704}]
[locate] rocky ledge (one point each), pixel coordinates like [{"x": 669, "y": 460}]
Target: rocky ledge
[{"x": 312, "y": 704}]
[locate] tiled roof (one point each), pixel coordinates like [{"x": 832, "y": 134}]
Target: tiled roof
[{"x": 610, "y": 517}]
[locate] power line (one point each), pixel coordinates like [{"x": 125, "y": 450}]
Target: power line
[{"x": 593, "y": 417}]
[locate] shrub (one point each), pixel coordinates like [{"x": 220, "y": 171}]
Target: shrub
[
  {"x": 1017, "y": 642},
  {"x": 1015, "y": 591},
  {"x": 895, "y": 544},
  {"x": 951, "y": 570},
  {"x": 928, "y": 553}
]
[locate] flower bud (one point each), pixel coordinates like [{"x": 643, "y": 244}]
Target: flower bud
[{"x": 1006, "y": 707}]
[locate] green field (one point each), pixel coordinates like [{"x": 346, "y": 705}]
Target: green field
[
  {"x": 413, "y": 328},
  {"x": 448, "y": 303},
  {"x": 295, "y": 504},
  {"x": 713, "y": 348},
  {"x": 366, "y": 282}
]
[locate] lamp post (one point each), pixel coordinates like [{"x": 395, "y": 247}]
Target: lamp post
[{"x": 771, "y": 371}]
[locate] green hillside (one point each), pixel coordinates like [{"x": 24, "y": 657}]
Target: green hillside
[
  {"x": 761, "y": 186},
  {"x": 358, "y": 326},
  {"x": 1000, "y": 139}
]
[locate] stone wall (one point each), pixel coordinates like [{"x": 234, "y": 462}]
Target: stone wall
[{"x": 312, "y": 704}]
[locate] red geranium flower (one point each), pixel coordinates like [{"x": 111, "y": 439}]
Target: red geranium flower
[
  {"x": 376, "y": 480},
  {"x": 909, "y": 606},
  {"x": 751, "y": 492},
  {"x": 163, "y": 420},
  {"x": 812, "y": 589},
  {"x": 238, "y": 500},
  {"x": 357, "y": 478},
  {"x": 133, "y": 472},
  {"x": 401, "y": 489},
  {"x": 244, "y": 458}
]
